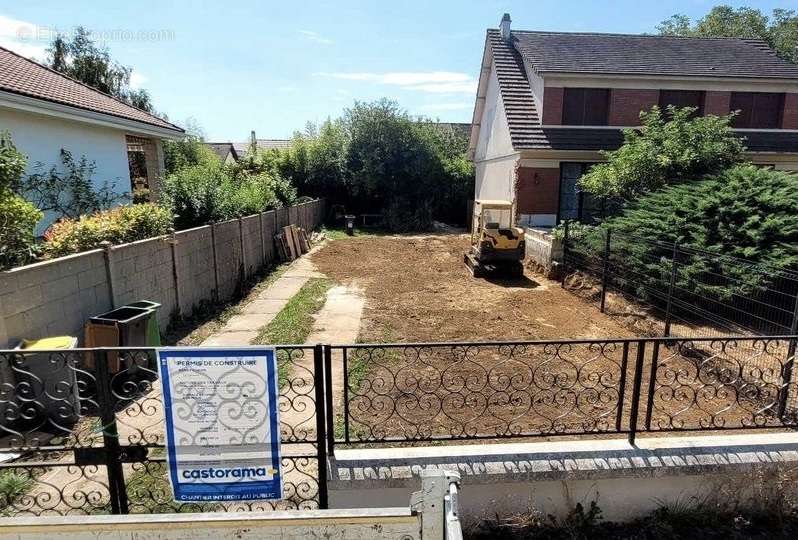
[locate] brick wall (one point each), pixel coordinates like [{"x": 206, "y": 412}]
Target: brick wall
[
  {"x": 537, "y": 190},
  {"x": 717, "y": 103},
  {"x": 626, "y": 104},
  {"x": 552, "y": 105},
  {"x": 56, "y": 297},
  {"x": 789, "y": 119}
]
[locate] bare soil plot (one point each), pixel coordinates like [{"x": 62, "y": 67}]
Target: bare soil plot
[{"x": 418, "y": 289}]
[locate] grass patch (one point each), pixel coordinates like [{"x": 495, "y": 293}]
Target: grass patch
[
  {"x": 208, "y": 317},
  {"x": 339, "y": 233},
  {"x": 295, "y": 321},
  {"x": 12, "y": 486},
  {"x": 293, "y": 324},
  {"x": 150, "y": 492}
]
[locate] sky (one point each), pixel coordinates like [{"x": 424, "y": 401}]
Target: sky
[{"x": 233, "y": 67}]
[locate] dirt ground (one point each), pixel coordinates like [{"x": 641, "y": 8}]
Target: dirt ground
[{"x": 418, "y": 289}]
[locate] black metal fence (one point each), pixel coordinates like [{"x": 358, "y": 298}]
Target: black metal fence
[
  {"x": 465, "y": 391},
  {"x": 85, "y": 429},
  {"x": 676, "y": 290}
]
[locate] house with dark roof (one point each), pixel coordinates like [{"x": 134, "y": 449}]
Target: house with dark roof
[
  {"x": 46, "y": 112},
  {"x": 548, "y": 102},
  {"x": 226, "y": 152}
]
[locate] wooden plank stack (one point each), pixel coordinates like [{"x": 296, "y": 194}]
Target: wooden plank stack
[{"x": 292, "y": 242}]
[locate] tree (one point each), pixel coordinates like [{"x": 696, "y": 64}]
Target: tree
[
  {"x": 744, "y": 213},
  {"x": 18, "y": 217},
  {"x": 82, "y": 59},
  {"x": 780, "y": 30},
  {"x": 668, "y": 148}
]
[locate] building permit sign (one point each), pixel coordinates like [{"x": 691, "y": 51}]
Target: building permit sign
[{"x": 222, "y": 424}]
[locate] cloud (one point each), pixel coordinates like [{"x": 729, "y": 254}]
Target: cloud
[
  {"x": 23, "y": 38},
  {"x": 447, "y": 106},
  {"x": 436, "y": 82},
  {"x": 137, "y": 80},
  {"x": 315, "y": 37}
]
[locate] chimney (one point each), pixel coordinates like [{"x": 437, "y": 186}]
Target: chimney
[{"x": 504, "y": 26}]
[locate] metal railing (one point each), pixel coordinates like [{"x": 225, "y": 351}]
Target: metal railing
[
  {"x": 679, "y": 290},
  {"x": 85, "y": 427},
  {"x": 396, "y": 393}
]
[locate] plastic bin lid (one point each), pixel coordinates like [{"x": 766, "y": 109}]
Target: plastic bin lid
[{"x": 49, "y": 343}]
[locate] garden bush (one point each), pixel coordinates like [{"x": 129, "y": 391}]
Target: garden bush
[
  {"x": 671, "y": 146},
  {"x": 746, "y": 213},
  {"x": 201, "y": 194},
  {"x": 18, "y": 217},
  {"x": 118, "y": 225}
]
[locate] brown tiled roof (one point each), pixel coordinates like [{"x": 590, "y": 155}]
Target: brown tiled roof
[
  {"x": 25, "y": 77},
  {"x": 631, "y": 54},
  {"x": 527, "y": 133}
]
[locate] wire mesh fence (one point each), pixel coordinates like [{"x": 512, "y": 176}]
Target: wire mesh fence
[{"x": 677, "y": 290}]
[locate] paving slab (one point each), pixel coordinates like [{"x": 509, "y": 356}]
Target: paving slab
[{"x": 226, "y": 339}]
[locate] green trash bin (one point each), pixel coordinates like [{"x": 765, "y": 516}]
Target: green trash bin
[{"x": 153, "y": 333}]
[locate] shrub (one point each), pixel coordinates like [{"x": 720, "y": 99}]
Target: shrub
[
  {"x": 12, "y": 163},
  {"x": 118, "y": 225},
  {"x": 670, "y": 147},
  {"x": 18, "y": 220},
  {"x": 18, "y": 217},
  {"x": 209, "y": 192},
  {"x": 746, "y": 213},
  {"x": 68, "y": 190}
]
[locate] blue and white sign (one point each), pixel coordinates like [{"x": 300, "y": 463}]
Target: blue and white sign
[{"x": 222, "y": 423}]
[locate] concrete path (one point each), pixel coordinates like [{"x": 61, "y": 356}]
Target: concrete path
[
  {"x": 243, "y": 328},
  {"x": 337, "y": 322}
]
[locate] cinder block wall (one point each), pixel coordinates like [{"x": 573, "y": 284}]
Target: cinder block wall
[{"x": 179, "y": 271}]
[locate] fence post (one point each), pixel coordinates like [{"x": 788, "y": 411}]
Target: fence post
[
  {"x": 262, "y": 238},
  {"x": 243, "y": 253},
  {"x": 564, "y": 254},
  {"x": 605, "y": 270},
  {"x": 175, "y": 273},
  {"x": 113, "y": 452},
  {"x": 215, "y": 262},
  {"x": 638, "y": 383},
  {"x": 786, "y": 376},
  {"x": 329, "y": 400},
  {"x": 321, "y": 423},
  {"x": 669, "y": 306},
  {"x": 109, "y": 271}
]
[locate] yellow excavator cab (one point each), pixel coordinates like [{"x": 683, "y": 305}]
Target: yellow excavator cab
[{"x": 497, "y": 245}]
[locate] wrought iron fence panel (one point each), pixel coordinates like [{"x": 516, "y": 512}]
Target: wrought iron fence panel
[
  {"x": 465, "y": 391},
  {"x": 722, "y": 384}
]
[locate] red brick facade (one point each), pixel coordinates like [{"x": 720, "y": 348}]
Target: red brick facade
[
  {"x": 717, "y": 103},
  {"x": 552, "y": 105},
  {"x": 537, "y": 190},
  {"x": 626, "y": 104},
  {"x": 789, "y": 119}
]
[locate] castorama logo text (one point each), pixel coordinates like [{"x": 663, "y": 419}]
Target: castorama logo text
[{"x": 210, "y": 472}]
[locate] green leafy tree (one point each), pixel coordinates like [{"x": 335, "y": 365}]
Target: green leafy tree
[
  {"x": 67, "y": 190},
  {"x": 18, "y": 217},
  {"x": 780, "y": 30},
  {"x": 82, "y": 59},
  {"x": 746, "y": 213},
  {"x": 668, "y": 148}
]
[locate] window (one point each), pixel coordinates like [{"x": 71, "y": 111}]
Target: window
[
  {"x": 681, "y": 99},
  {"x": 757, "y": 109},
  {"x": 575, "y": 204},
  {"x": 585, "y": 106}
]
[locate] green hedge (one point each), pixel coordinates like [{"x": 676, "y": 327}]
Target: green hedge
[{"x": 118, "y": 225}]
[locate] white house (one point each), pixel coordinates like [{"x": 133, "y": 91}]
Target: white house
[
  {"x": 549, "y": 102},
  {"x": 46, "y": 112}
]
